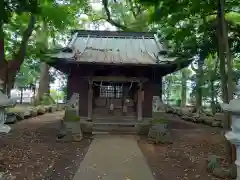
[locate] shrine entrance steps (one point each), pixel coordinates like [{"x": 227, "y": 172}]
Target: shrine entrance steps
[
  {"x": 114, "y": 157},
  {"x": 114, "y": 127}
]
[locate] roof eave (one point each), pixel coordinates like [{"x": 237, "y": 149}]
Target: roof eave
[
  {"x": 178, "y": 65},
  {"x": 172, "y": 65},
  {"x": 113, "y": 33}
]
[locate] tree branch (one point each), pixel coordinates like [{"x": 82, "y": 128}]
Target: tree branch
[
  {"x": 19, "y": 56},
  {"x": 132, "y": 9},
  {"x": 2, "y": 52},
  {"x": 13, "y": 65},
  {"x": 110, "y": 20}
]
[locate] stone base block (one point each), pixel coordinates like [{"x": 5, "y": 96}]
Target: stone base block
[
  {"x": 53, "y": 109},
  {"x": 77, "y": 137},
  {"x": 87, "y": 127},
  {"x": 70, "y": 131},
  {"x": 143, "y": 128}
]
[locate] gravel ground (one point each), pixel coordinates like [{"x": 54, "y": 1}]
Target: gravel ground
[{"x": 31, "y": 151}]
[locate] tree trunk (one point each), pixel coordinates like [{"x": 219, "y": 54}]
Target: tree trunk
[
  {"x": 8, "y": 73},
  {"x": 184, "y": 89},
  {"x": 213, "y": 91},
  {"x": 44, "y": 82},
  {"x": 223, "y": 23},
  {"x": 168, "y": 92},
  {"x": 223, "y": 75},
  {"x": 21, "y": 96},
  {"x": 213, "y": 94},
  {"x": 2, "y": 52},
  {"x": 229, "y": 73},
  {"x": 3, "y": 63},
  {"x": 199, "y": 75},
  {"x": 221, "y": 53},
  {"x": 198, "y": 95},
  {"x": 226, "y": 82}
]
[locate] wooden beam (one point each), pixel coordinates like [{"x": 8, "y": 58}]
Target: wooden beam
[
  {"x": 139, "y": 102},
  {"x": 119, "y": 79},
  {"x": 90, "y": 98}
]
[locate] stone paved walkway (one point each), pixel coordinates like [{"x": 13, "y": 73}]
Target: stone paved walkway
[{"x": 112, "y": 157}]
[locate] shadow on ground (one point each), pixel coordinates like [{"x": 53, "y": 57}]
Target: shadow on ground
[
  {"x": 31, "y": 151},
  {"x": 186, "y": 157}
]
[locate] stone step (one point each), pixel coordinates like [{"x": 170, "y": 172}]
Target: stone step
[
  {"x": 120, "y": 123},
  {"x": 114, "y": 128}
]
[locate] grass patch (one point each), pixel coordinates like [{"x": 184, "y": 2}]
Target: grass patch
[{"x": 19, "y": 108}]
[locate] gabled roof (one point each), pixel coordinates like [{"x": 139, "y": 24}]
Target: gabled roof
[{"x": 114, "y": 47}]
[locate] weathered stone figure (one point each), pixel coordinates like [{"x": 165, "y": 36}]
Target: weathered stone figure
[
  {"x": 5, "y": 102},
  {"x": 70, "y": 129},
  {"x": 159, "y": 131},
  {"x": 234, "y": 137}
]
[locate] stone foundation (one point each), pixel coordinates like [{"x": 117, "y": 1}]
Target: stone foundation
[
  {"x": 70, "y": 131},
  {"x": 87, "y": 127},
  {"x": 143, "y": 128}
]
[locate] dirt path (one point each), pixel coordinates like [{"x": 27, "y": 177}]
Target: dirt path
[
  {"x": 31, "y": 152},
  {"x": 186, "y": 157}
]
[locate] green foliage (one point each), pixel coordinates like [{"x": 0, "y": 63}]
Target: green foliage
[
  {"x": 57, "y": 95},
  {"x": 53, "y": 20},
  {"x": 46, "y": 99},
  {"x": 28, "y": 74},
  {"x": 70, "y": 115},
  {"x": 213, "y": 162},
  {"x": 17, "y": 6},
  {"x": 187, "y": 27}
]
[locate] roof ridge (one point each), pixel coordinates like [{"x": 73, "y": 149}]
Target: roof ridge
[{"x": 113, "y": 33}]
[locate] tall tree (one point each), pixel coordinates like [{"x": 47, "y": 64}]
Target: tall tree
[
  {"x": 46, "y": 9},
  {"x": 185, "y": 74}
]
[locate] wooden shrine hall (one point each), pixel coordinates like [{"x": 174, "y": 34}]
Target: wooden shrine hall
[{"x": 116, "y": 74}]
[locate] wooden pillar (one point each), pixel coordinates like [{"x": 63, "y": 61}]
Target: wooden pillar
[
  {"x": 90, "y": 97},
  {"x": 139, "y": 102}
]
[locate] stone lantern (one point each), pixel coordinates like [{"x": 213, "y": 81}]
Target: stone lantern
[
  {"x": 234, "y": 135},
  {"x": 5, "y": 102}
]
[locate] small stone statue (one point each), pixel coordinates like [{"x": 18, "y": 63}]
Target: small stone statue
[
  {"x": 5, "y": 102},
  {"x": 70, "y": 129},
  {"x": 159, "y": 132},
  {"x": 233, "y": 107},
  {"x": 238, "y": 88}
]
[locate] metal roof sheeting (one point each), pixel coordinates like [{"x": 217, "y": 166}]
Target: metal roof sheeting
[{"x": 114, "y": 49}]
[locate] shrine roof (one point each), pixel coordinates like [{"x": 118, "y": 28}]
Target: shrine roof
[{"x": 113, "y": 47}]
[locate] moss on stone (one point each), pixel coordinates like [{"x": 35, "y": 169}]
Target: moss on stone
[
  {"x": 47, "y": 108},
  {"x": 27, "y": 114},
  {"x": 60, "y": 107},
  {"x": 19, "y": 115},
  {"x": 53, "y": 108},
  {"x": 46, "y": 99},
  {"x": 33, "y": 111},
  {"x": 143, "y": 128},
  {"x": 159, "y": 121},
  {"x": 71, "y": 115},
  {"x": 41, "y": 110},
  {"x": 213, "y": 162}
]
